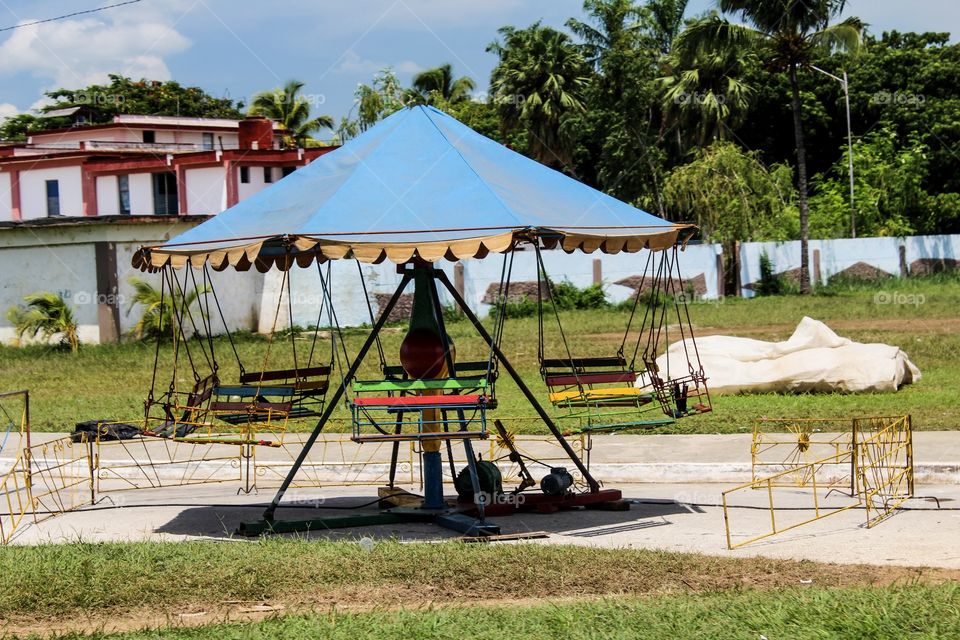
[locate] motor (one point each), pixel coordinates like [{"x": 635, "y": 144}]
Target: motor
[{"x": 556, "y": 482}]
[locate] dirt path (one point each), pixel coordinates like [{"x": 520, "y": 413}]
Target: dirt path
[
  {"x": 750, "y": 573},
  {"x": 905, "y": 325}
]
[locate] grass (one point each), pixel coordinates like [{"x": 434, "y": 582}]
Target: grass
[
  {"x": 798, "y": 614},
  {"x": 48, "y": 587},
  {"x": 919, "y": 315}
]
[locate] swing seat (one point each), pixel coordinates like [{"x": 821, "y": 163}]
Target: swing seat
[
  {"x": 592, "y": 382},
  {"x": 242, "y": 404},
  {"x": 441, "y": 396},
  {"x": 267, "y": 396},
  {"x": 313, "y": 379},
  {"x": 608, "y": 397}
]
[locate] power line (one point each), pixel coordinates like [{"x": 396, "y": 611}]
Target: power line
[{"x": 69, "y": 15}]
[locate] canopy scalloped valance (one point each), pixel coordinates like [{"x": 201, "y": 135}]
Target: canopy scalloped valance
[{"x": 284, "y": 252}]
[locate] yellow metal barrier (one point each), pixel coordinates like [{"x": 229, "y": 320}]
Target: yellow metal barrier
[
  {"x": 885, "y": 452},
  {"x": 792, "y": 444},
  {"x": 15, "y": 481},
  {"x": 872, "y": 460},
  {"x": 775, "y": 486}
]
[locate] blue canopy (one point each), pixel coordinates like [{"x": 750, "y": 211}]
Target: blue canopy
[{"x": 417, "y": 184}]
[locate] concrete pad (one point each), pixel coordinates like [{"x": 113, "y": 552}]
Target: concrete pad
[{"x": 676, "y": 517}]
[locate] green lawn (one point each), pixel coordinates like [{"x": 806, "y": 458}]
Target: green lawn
[
  {"x": 794, "y": 614},
  {"x": 47, "y": 587},
  {"x": 111, "y": 381}
]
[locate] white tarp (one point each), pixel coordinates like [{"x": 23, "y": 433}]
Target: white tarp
[{"x": 813, "y": 359}]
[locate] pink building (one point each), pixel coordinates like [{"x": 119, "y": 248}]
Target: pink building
[{"x": 143, "y": 165}]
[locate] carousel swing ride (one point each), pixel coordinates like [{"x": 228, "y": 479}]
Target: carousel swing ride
[{"x": 458, "y": 196}]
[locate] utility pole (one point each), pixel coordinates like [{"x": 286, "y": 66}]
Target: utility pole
[{"x": 844, "y": 82}]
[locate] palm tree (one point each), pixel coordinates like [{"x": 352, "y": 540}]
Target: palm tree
[
  {"x": 703, "y": 92},
  {"x": 286, "y": 106},
  {"x": 157, "y": 315},
  {"x": 789, "y": 33},
  {"x": 439, "y": 83},
  {"x": 666, "y": 18},
  {"x": 539, "y": 81},
  {"x": 47, "y": 314},
  {"x": 616, "y": 22}
]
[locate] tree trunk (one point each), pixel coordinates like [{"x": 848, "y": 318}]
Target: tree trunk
[{"x": 801, "y": 183}]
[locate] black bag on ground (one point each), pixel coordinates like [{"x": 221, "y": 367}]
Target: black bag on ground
[{"x": 108, "y": 431}]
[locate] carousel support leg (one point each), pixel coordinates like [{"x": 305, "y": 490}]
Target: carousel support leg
[
  {"x": 433, "y": 480},
  {"x": 335, "y": 400},
  {"x": 395, "y": 452}
]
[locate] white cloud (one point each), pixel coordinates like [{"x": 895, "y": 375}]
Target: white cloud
[
  {"x": 352, "y": 62},
  {"x": 7, "y": 110},
  {"x": 76, "y": 53}
]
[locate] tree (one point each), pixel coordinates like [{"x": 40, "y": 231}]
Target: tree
[
  {"x": 888, "y": 193},
  {"x": 788, "y": 32},
  {"x": 19, "y": 126},
  {"x": 157, "y": 315},
  {"x": 537, "y": 84},
  {"x": 618, "y": 133},
  {"x": 379, "y": 99},
  {"x": 666, "y": 17},
  {"x": 732, "y": 196},
  {"x": 123, "y": 95},
  {"x": 615, "y": 24},
  {"x": 439, "y": 83},
  {"x": 705, "y": 93},
  {"x": 46, "y": 314},
  {"x": 144, "y": 97},
  {"x": 292, "y": 110}
]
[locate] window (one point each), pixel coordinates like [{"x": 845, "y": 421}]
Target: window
[
  {"x": 208, "y": 142},
  {"x": 268, "y": 175},
  {"x": 123, "y": 192},
  {"x": 245, "y": 175},
  {"x": 285, "y": 171},
  {"x": 149, "y": 137},
  {"x": 53, "y": 197},
  {"x": 165, "y": 194}
]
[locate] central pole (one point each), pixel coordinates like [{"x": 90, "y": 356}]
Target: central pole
[{"x": 424, "y": 353}]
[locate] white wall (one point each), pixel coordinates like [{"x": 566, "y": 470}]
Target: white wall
[
  {"x": 108, "y": 196},
  {"x": 839, "y": 254},
  {"x": 141, "y": 194},
  {"x": 6, "y": 200},
  {"x": 68, "y": 270},
  {"x": 237, "y": 292},
  {"x": 351, "y": 306},
  {"x": 33, "y": 191},
  {"x": 206, "y": 190},
  {"x": 62, "y": 260},
  {"x": 256, "y": 183},
  {"x": 231, "y": 139}
]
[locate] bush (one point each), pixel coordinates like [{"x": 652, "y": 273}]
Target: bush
[
  {"x": 566, "y": 295},
  {"x": 48, "y": 315},
  {"x": 770, "y": 283}
]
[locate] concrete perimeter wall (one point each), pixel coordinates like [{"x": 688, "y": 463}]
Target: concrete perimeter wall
[{"x": 80, "y": 260}]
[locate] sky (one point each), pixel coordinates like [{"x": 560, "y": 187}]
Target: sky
[{"x": 236, "y": 48}]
